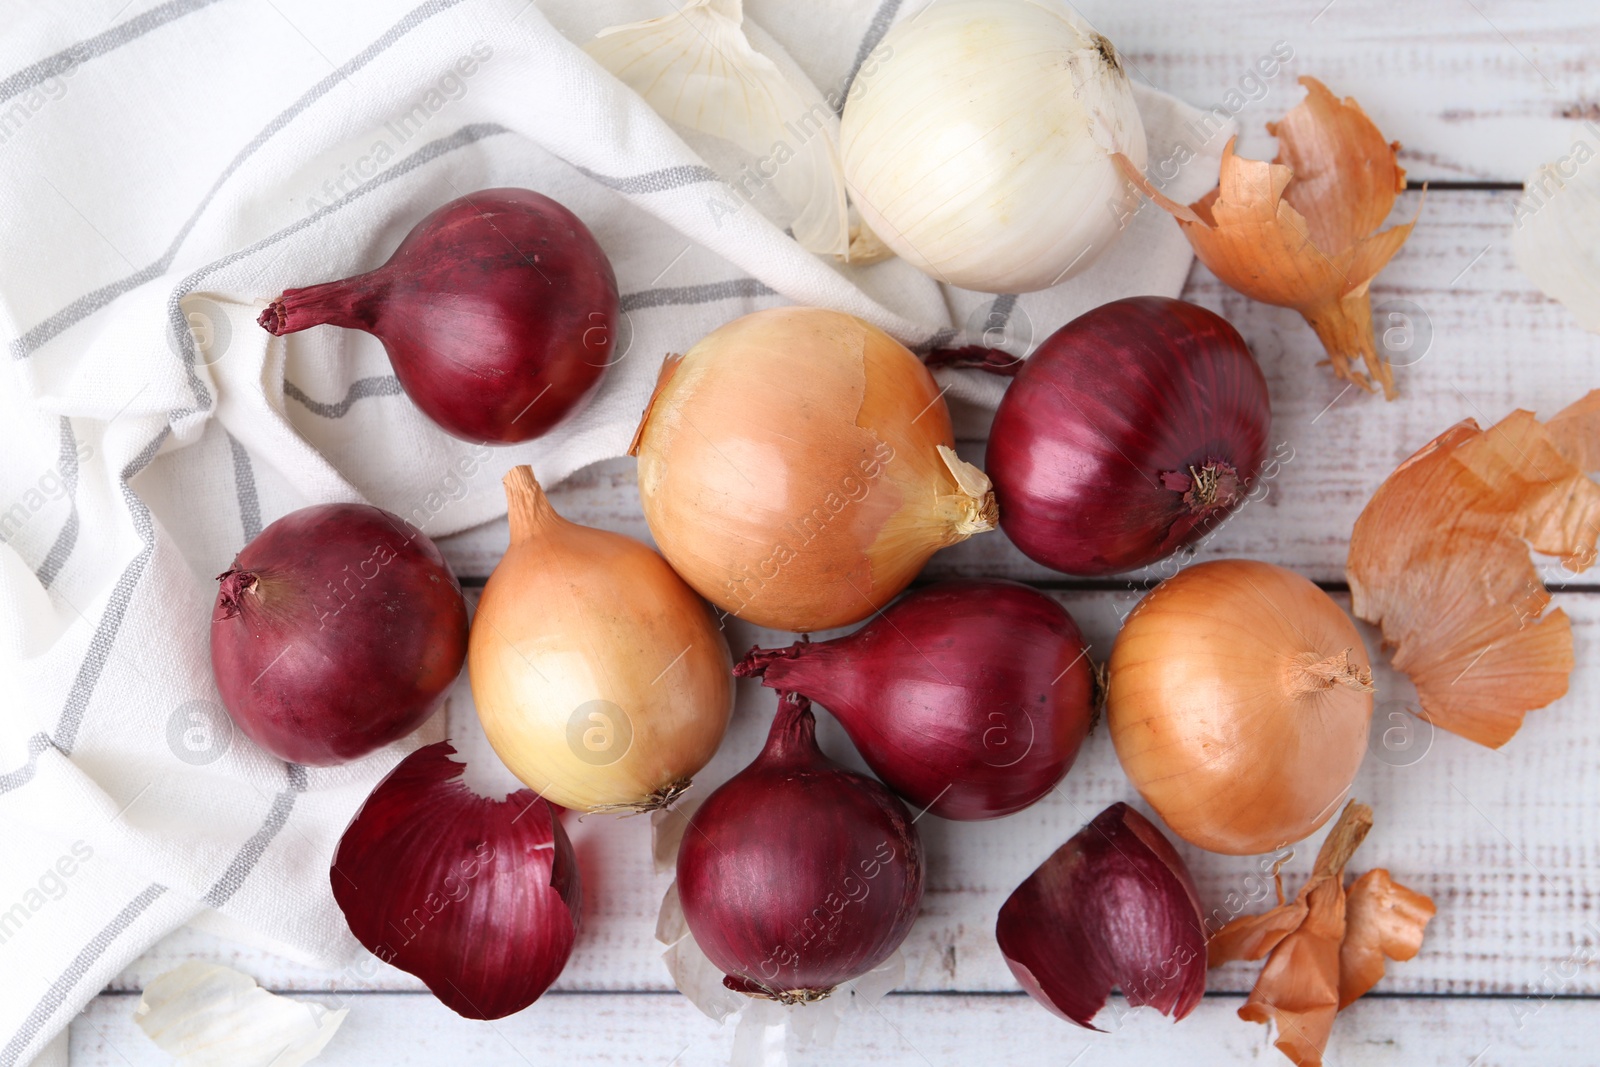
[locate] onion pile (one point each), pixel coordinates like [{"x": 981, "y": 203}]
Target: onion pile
[
  {"x": 1131, "y": 431},
  {"x": 796, "y": 467},
  {"x": 498, "y": 311},
  {"x": 969, "y": 699},
  {"x": 336, "y": 631},
  {"x": 1239, "y": 701},
  {"x": 479, "y": 898},
  {"x": 600, "y": 678},
  {"x": 797, "y": 874}
]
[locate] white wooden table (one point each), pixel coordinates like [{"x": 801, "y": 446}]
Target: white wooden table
[{"x": 1507, "y": 843}]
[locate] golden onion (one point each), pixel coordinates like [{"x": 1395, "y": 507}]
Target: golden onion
[
  {"x": 601, "y": 680},
  {"x": 796, "y": 468},
  {"x": 1239, "y": 701}
]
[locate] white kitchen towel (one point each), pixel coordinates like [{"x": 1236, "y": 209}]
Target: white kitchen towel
[{"x": 163, "y": 175}]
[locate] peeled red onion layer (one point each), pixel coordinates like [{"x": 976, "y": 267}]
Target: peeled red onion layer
[
  {"x": 479, "y": 898},
  {"x": 1114, "y": 907}
]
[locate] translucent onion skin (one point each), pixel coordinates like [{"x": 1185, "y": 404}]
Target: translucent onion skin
[
  {"x": 1239, "y": 701},
  {"x": 479, "y": 898},
  {"x": 600, "y": 678},
  {"x": 794, "y": 467},
  {"x": 979, "y": 148},
  {"x": 1131, "y": 431},
  {"x": 970, "y": 698},
  {"x": 1113, "y": 907},
  {"x": 336, "y": 631},
  {"x": 797, "y": 874},
  {"x": 498, "y": 312}
]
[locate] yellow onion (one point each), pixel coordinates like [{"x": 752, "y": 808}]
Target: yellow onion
[
  {"x": 796, "y": 468},
  {"x": 1239, "y": 701},
  {"x": 601, "y": 679}
]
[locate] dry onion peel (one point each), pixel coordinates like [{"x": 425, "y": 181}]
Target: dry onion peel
[
  {"x": 796, "y": 468},
  {"x": 700, "y": 68},
  {"x": 205, "y": 1015},
  {"x": 1327, "y": 946},
  {"x": 1555, "y": 238},
  {"x": 1299, "y": 232},
  {"x": 1439, "y": 559}
]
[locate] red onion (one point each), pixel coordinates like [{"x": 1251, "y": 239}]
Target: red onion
[
  {"x": 1114, "y": 906},
  {"x": 479, "y": 898},
  {"x": 798, "y": 874},
  {"x": 498, "y": 312},
  {"x": 967, "y": 698},
  {"x": 1133, "y": 429},
  {"x": 336, "y": 631}
]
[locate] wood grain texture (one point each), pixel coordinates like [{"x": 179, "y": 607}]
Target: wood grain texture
[
  {"x": 1479, "y": 91},
  {"x": 1483, "y": 342},
  {"x": 1507, "y": 843},
  {"x": 399, "y": 1030}
]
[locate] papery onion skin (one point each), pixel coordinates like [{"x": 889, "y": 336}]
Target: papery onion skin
[
  {"x": 979, "y": 149},
  {"x": 797, "y": 874},
  {"x": 479, "y": 898},
  {"x": 970, "y": 699},
  {"x": 1239, "y": 702},
  {"x": 1129, "y": 433},
  {"x": 498, "y": 312},
  {"x": 336, "y": 631},
  {"x": 1114, "y": 906},
  {"x": 790, "y": 469},
  {"x": 600, "y": 678}
]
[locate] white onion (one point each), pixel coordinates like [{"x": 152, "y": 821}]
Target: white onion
[{"x": 980, "y": 149}]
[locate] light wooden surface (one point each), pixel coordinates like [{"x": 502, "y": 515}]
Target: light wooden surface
[{"x": 1507, "y": 842}]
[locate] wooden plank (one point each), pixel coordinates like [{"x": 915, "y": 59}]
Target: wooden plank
[
  {"x": 1507, "y": 843},
  {"x": 1492, "y": 342},
  {"x": 1484, "y": 91},
  {"x": 400, "y": 1030}
]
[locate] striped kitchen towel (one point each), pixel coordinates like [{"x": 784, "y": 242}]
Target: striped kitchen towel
[{"x": 162, "y": 174}]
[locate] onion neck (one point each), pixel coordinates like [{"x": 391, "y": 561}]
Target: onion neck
[
  {"x": 1344, "y": 326},
  {"x": 1314, "y": 673},
  {"x": 793, "y": 738},
  {"x": 1211, "y": 487},
  {"x": 350, "y": 303},
  {"x": 527, "y": 508},
  {"x": 971, "y": 508},
  {"x": 235, "y": 586}
]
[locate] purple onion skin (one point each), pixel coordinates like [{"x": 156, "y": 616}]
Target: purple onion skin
[
  {"x": 1093, "y": 444},
  {"x": 481, "y": 899},
  {"x": 797, "y": 874},
  {"x": 970, "y": 699},
  {"x": 498, "y": 311},
  {"x": 336, "y": 631},
  {"x": 1113, "y": 907}
]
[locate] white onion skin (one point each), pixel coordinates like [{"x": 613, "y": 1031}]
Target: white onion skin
[
  {"x": 980, "y": 148},
  {"x": 789, "y": 469},
  {"x": 574, "y": 615},
  {"x": 1205, "y": 714}
]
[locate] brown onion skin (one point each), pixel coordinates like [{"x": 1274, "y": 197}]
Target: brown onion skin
[
  {"x": 336, "y": 631},
  {"x": 481, "y": 899},
  {"x": 498, "y": 312},
  {"x": 970, "y": 699},
  {"x": 798, "y": 874},
  {"x": 1112, "y": 402},
  {"x": 1113, "y": 907}
]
